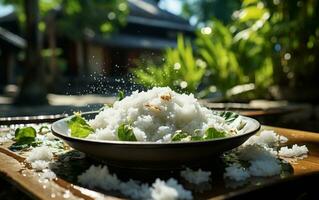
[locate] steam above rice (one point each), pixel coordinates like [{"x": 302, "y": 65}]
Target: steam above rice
[{"x": 155, "y": 115}]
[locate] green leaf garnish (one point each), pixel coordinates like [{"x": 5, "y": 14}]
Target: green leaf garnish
[
  {"x": 179, "y": 135},
  {"x": 212, "y": 133},
  {"x": 25, "y": 135},
  {"x": 120, "y": 95},
  {"x": 79, "y": 127},
  {"x": 182, "y": 136},
  {"x": 20, "y": 146},
  {"x": 125, "y": 133},
  {"x": 229, "y": 116}
]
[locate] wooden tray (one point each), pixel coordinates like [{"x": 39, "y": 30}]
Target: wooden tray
[{"x": 13, "y": 169}]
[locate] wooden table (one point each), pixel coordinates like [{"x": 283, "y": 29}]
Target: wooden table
[{"x": 13, "y": 169}]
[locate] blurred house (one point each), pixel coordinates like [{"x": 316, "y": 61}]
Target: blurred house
[
  {"x": 149, "y": 30},
  {"x": 10, "y": 45}
]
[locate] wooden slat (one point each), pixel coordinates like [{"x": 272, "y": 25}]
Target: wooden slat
[{"x": 14, "y": 170}]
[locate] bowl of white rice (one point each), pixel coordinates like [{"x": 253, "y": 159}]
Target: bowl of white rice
[{"x": 155, "y": 128}]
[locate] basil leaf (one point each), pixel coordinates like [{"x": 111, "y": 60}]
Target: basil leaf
[
  {"x": 229, "y": 116},
  {"x": 120, "y": 95},
  {"x": 125, "y": 133},
  {"x": 179, "y": 135},
  {"x": 19, "y": 146},
  {"x": 79, "y": 127},
  {"x": 212, "y": 133},
  {"x": 25, "y": 135}
]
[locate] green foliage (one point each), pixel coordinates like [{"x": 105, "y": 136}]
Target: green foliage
[
  {"x": 286, "y": 34},
  {"x": 91, "y": 17},
  {"x": 228, "y": 59},
  {"x": 253, "y": 49},
  {"x": 215, "y": 47},
  {"x": 79, "y": 127},
  {"x": 181, "y": 70},
  {"x": 236, "y": 58},
  {"x": 78, "y": 17},
  {"x": 125, "y": 133},
  {"x": 267, "y": 43},
  {"x": 203, "y": 10}
]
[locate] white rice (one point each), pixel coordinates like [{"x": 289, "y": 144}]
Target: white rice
[
  {"x": 294, "y": 151},
  {"x": 47, "y": 175},
  {"x": 155, "y": 115},
  {"x": 267, "y": 138},
  {"x": 261, "y": 153},
  {"x": 195, "y": 177},
  {"x": 236, "y": 172},
  {"x": 135, "y": 189},
  {"x": 161, "y": 191},
  {"x": 40, "y": 165},
  {"x": 6, "y": 138},
  {"x": 266, "y": 167},
  {"x": 169, "y": 190},
  {"x": 255, "y": 152},
  {"x": 100, "y": 177},
  {"x": 50, "y": 136},
  {"x": 40, "y": 153},
  {"x": 261, "y": 164}
]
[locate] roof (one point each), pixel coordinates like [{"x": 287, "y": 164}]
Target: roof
[
  {"x": 154, "y": 27},
  {"x": 9, "y": 27},
  {"x": 12, "y": 38},
  {"x": 148, "y": 27},
  {"x": 147, "y": 12},
  {"x": 122, "y": 40}
]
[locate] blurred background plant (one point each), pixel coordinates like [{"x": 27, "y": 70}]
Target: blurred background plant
[
  {"x": 215, "y": 47},
  {"x": 179, "y": 70},
  {"x": 283, "y": 36},
  {"x": 264, "y": 50}
]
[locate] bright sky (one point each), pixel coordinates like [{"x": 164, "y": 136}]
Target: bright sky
[
  {"x": 5, "y": 10},
  {"x": 173, "y": 6}
]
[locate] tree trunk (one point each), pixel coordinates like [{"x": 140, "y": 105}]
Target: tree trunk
[
  {"x": 32, "y": 90},
  {"x": 51, "y": 31}
]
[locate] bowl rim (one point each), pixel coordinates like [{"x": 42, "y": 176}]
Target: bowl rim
[{"x": 139, "y": 143}]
